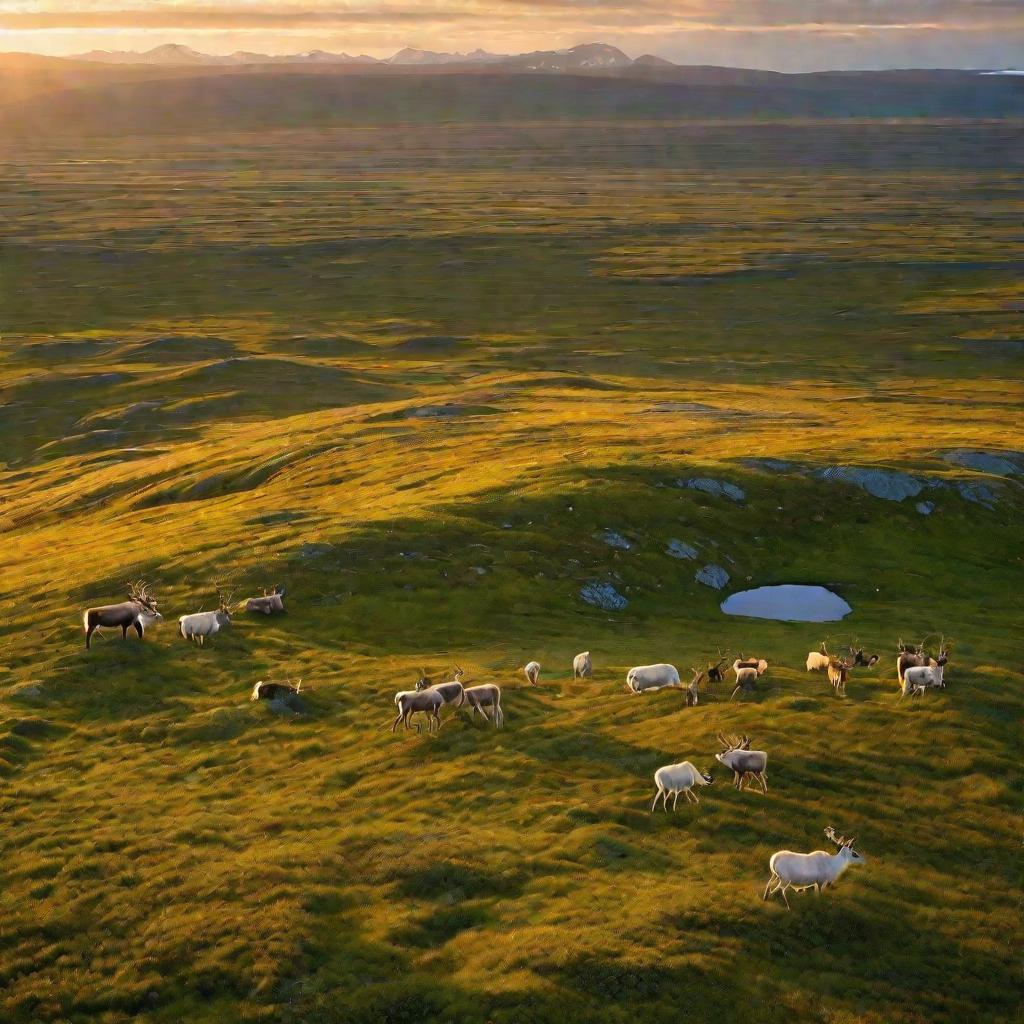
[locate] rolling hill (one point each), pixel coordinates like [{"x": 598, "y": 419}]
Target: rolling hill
[{"x": 250, "y": 98}]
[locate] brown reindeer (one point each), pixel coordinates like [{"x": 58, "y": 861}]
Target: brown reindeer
[{"x": 139, "y": 611}]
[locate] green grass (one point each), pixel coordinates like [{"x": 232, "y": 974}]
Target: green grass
[{"x": 190, "y": 393}]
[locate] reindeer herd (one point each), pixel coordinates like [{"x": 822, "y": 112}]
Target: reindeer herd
[{"x": 916, "y": 672}]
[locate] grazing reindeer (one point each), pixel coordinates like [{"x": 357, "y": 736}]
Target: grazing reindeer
[
  {"x": 200, "y": 625},
  {"x": 747, "y": 673},
  {"x": 675, "y": 779},
  {"x": 651, "y": 677},
  {"x": 275, "y": 691},
  {"x": 139, "y": 611},
  {"x": 815, "y": 870},
  {"x": 917, "y": 678},
  {"x": 743, "y": 761},
  {"x": 582, "y": 667},
  {"x": 532, "y": 672},
  {"x": 838, "y": 673},
  {"x": 480, "y": 698},
  {"x": 269, "y": 604}
]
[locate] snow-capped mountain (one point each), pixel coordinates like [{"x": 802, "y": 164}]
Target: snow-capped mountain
[{"x": 589, "y": 56}]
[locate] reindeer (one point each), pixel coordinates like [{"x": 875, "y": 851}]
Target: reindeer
[
  {"x": 676, "y": 779},
  {"x": 860, "y": 659},
  {"x": 692, "y": 687},
  {"x": 269, "y": 604},
  {"x": 838, "y": 673},
  {"x": 737, "y": 755},
  {"x": 275, "y": 691},
  {"x": 200, "y": 625},
  {"x": 917, "y": 678},
  {"x": 815, "y": 870},
  {"x": 426, "y": 700},
  {"x": 480, "y": 698},
  {"x": 908, "y": 656},
  {"x": 747, "y": 673},
  {"x": 716, "y": 670},
  {"x": 452, "y": 693},
  {"x": 532, "y": 672},
  {"x": 582, "y": 667},
  {"x": 139, "y": 611}
]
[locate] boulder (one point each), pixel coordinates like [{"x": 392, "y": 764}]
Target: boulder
[
  {"x": 603, "y": 595},
  {"x": 980, "y": 494},
  {"x": 999, "y": 463},
  {"x": 889, "y": 484},
  {"x": 926, "y": 508},
  {"x": 680, "y": 549},
  {"x": 712, "y": 576},
  {"x": 717, "y": 488},
  {"x": 616, "y": 540}
]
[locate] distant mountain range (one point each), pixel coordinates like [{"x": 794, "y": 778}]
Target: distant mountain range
[{"x": 588, "y": 55}]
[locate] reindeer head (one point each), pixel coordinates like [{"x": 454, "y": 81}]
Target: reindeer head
[
  {"x": 139, "y": 593},
  {"x": 224, "y": 605},
  {"x": 846, "y": 850},
  {"x": 424, "y": 682},
  {"x": 457, "y": 675}
]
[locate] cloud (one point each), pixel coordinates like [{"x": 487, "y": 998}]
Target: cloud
[{"x": 783, "y": 34}]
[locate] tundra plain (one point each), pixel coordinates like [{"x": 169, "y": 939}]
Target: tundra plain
[{"x": 416, "y": 373}]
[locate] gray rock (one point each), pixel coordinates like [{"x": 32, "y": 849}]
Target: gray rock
[
  {"x": 980, "y": 494},
  {"x": 1000, "y": 463},
  {"x": 680, "y": 549},
  {"x": 616, "y": 540},
  {"x": 603, "y": 595},
  {"x": 772, "y": 465},
  {"x": 712, "y": 576},
  {"x": 717, "y": 488},
  {"x": 28, "y": 693},
  {"x": 926, "y": 508},
  {"x": 889, "y": 484}
]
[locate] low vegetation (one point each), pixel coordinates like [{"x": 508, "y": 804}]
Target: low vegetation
[{"x": 422, "y": 378}]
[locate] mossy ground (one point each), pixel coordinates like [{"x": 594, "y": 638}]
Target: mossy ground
[{"x": 211, "y": 348}]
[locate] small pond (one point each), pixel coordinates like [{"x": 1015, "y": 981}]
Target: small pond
[{"x": 789, "y": 602}]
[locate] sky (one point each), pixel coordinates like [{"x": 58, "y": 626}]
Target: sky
[{"x": 785, "y": 35}]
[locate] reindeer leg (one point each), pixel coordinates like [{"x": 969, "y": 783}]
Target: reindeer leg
[
  {"x": 675, "y": 799},
  {"x": 139, "y": 629},
  {"x": 763, "y": 779},
  {"x": 664, "y": 801},
  {"x": 734, "y": 692},
  {"x": 398, "y": 718},
  {"x": 124, "y": 632},
  {"x": 784, "y": 899},
  {"x": 656, "y": 795},
  {"x": 769, "y": 885}
]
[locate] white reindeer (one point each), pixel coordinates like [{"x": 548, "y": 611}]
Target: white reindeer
[
  {"x": 200, "y": 625},
  {"x": 799, "y": 871},
  {"x": 582, "y": 668},
  {"x": 917, "y": 678},
  {"x": 532, "y": 672},
  {"x": 747, "y": 672},
  {"x": 817, "y": 662},
  {"x": 675, "y": 779},
  {"x": 651, "y": 677}
]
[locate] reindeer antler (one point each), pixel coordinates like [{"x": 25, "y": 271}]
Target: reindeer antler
[{"x": 840, "y": 841}]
